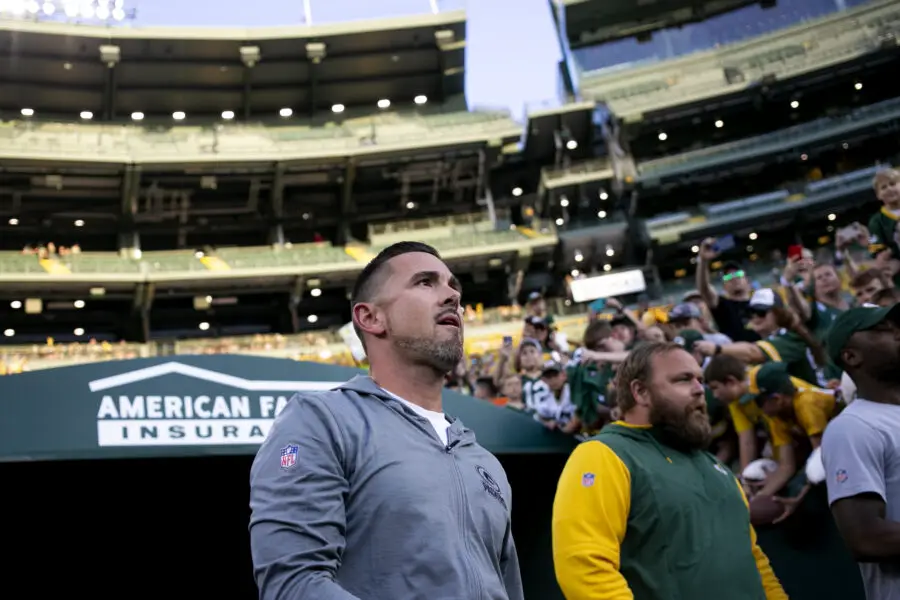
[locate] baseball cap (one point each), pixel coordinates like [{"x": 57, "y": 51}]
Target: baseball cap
[
  {"x": 765, "y": 299},
  {"x": 530, "y": 342},
  {"x": 552, "y": 366},
  {"x": 769, "y": 378},
  {"x": 536, "y": 321},
  {"x": 534, "y": 296},
  {"x": 851, "y": 321},
  {"x": 692, "y": 295},
  {"x": 684, "y": 311},
  {"x": 687, "y": 338},
  {"x": 731, "y": 265}
]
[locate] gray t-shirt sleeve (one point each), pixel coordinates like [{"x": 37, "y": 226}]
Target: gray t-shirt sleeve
[
  {"x": 298, "y": 518},
  {"x": 853, "y": 454}
]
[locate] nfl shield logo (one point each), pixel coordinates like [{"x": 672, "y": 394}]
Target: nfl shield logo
[
  {"x": 841, "y": 476},
  {"x": 587, "y": 480},
  {"x": 289, "y": 456}
]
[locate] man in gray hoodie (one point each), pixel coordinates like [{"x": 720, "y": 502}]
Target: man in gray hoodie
[{"x": 371, "y": 492}]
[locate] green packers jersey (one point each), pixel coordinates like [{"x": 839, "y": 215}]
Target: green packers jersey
[
  {"x": 789, "y": 348},
  {"x": 884, "y": 236},
  {"x": 534, "y": 392},
  {"x": 883, "y": 232},
  {"x": 588, "y": 384}
]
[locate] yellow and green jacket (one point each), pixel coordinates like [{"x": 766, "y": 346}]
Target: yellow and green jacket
[{"x": 634, "y": 519}]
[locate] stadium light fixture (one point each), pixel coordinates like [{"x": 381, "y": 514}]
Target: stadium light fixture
[
  {"x": 579, "y": 256},
  {"x": 575, "y": 272},
  {"x": 312, "y": 318},
  {"x": 559, "y": 222},
  {"x": 607, "y": 268},
  {"x": 199, "y": 254},
  {"x": 420, "y": 99},
  {"x": 571, "y": 144},
  {"x": 663, "y": 136},
  {"x": 753, "y": 235},
  {"x": 9, "y": 332},
  {"x": 804, "y": 156},
  {"x": 610, "y": 251},
  {"x": 720, "y": 124},
  {"x": 337, "y": 108},
  {"x": 285, "y": 112},
  {"x": 564, "y": 202},
  {"x": 178, "y": 115},
  {"x": 15, "y": 304},
  {"x": 795, "y": 104},
  {"x": 695, "y": 249},
  {"x": 603, "y": 195},
  {"x": 410, "y": 205},
  {"x": 601, "y": 214},
  {"x": 86, "y": 115},
  {"x": 250, "y": 55},
  {"x": 517, "y": 191},
  {"x": 832, "y": 217},
  {"x": 137, "y": 116},
  {"x": 315, "y": 292},
  {"x": 203, "y": 326},
  {"x": 857, "y": 86},
  {"x": 27, "y": 112},
  {"x": 78, "y": 304},
  {"x": 13, "y": 221},
  {"x": 71, "y": 9},
  {"x": 79, "y": 223},
  {"x": 384, "y": 103},
  {"x": 227, "y": 114},
  {"x": 48, "y": 8},
  {"x": 79, "y": 331}
]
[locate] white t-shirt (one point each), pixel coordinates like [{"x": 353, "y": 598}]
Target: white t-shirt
[
  {"x": 861, "y": 451},
  {"x": 438, "y": 420}
]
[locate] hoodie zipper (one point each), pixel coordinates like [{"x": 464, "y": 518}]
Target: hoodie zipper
[{"x": 473, "y": 580}]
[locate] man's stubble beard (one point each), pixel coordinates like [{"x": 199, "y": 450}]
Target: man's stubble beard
[
  {"x": 440, "y": 356},
  {"x": 682, "y": 429}
]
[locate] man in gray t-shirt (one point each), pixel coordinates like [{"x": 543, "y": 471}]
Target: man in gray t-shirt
[{"x": 861, "y": 446}]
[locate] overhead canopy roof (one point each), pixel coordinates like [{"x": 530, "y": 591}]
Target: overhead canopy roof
[
  {"x": 591, "y": 22},
  {"x": 60, "y": 70}
]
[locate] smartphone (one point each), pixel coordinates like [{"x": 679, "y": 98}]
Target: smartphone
[
  {"x": 598, "y": 305},
  {"x": 724, "y": 243},
  {"x": 795, "y": 252},
  {"x": 507, "y": 340}
]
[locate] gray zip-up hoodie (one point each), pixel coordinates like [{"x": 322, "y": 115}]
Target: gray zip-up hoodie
[{"x": 354, "y": 496}]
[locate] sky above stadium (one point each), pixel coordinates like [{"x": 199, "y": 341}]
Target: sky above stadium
[{"x": 511, "y": 54}]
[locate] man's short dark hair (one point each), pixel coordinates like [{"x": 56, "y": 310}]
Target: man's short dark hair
[
  {"x": 885, "y": 295},
  {"x": 864, "y": 278},
  {"x": 596, "y": 332},
  {"x": 723, "y": 367},
  {"x": 369, "y": 281}
]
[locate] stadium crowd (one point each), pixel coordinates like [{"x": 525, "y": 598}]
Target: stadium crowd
[{"x": 771, "y": 387}]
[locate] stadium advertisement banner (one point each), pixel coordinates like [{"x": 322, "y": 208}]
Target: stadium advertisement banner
[{"x": 189, "y": 405}]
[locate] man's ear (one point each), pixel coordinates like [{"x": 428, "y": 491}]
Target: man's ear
[
  {"x": 640, "y": 393},
  {"x": 850, "y": 357},
  {"x": 368, "y": 318}
]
